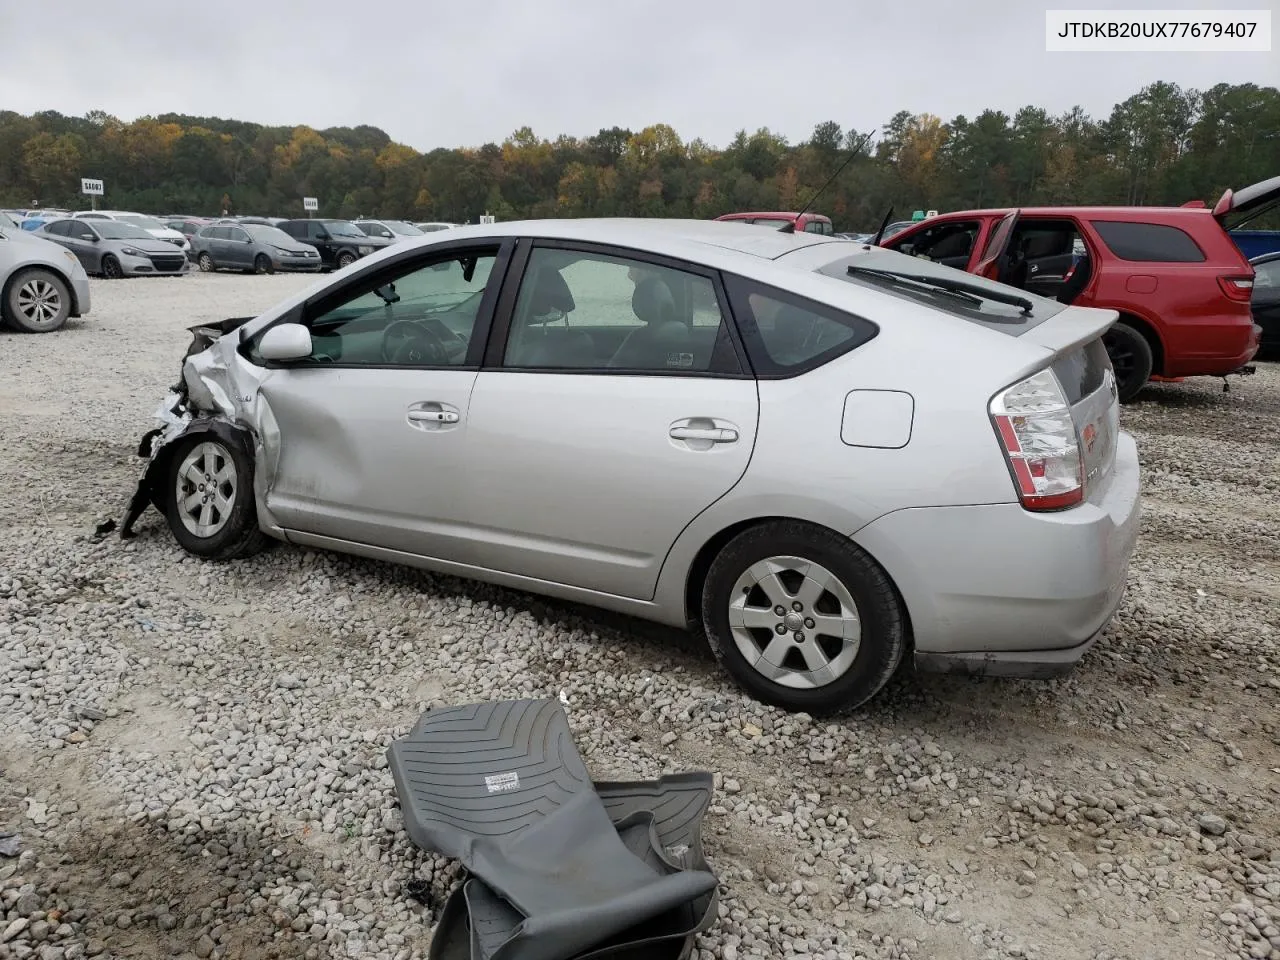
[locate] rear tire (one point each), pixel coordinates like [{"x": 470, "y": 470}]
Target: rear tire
[
  {"x": 209, "y": 498},
  {"x": 841, "y": 632},
  {"x": 205, "y": 263},
  {"x": 36, "y": 301},
  {"x": 345, "y": 259},
  {"x": 1131, "y": 358},
  {"x": 262, "y": 264},
  {"x": 111, "y": 268}
]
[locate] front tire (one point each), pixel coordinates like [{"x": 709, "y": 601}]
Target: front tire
[
  {"x": 36, "y": 301},
  {"x": 262, "y": 264},
  {"x": 205, "y": 263},
  {"x": 345, "y": 259},
  {"x": 803, "y": 618},
  {"x": 111, "y": 268},
  {"x": 1131, "y": 359},
  {"x": 209, "y": 501}
]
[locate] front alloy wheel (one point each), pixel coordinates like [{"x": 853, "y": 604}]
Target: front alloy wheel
[{"x": 210, "y": 505}]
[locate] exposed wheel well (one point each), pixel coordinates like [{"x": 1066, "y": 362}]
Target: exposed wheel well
[
  {"x": 1151, "y": 336},
  {"x": 706, "y": 556},
  {"x": 75, "y": 301}
]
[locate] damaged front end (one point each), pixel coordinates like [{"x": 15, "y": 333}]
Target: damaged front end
[{"x": 214, "y": 395}]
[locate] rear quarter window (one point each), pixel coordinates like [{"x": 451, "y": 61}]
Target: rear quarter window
[
  {"x": 786, "y": 335},
  {"x": 1148, "y": 242}
]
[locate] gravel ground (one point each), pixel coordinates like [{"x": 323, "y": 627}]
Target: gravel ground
[{"x": 191, "y": 753}]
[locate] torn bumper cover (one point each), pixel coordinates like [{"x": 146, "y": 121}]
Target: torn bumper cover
[{"x": 203, "y": 401}]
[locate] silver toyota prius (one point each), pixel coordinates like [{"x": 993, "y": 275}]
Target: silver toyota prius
[{"x": 828, "y": 456}]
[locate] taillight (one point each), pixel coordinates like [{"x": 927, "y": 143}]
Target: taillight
[
  {"x": 1033, "y": 421},
  {"x": 1237, "y": 288}
]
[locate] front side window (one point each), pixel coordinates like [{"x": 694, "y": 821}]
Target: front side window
[
  {"x": 1148, "y": 242},
  {"x": 340, "y": 228},
  {"x": 786, "y": 335},
  {"x": 423, "y": 317},
  {"x": 237, "y": 234},
  {"x": 579, "y": 310},
  {"x": 951, "y": 243}
]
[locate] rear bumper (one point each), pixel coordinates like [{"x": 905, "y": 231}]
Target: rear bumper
[
  {"x": 1234, "y": 344},
  {"x": 996, "y": 583},
  {"x": 1021, "y": 664}
]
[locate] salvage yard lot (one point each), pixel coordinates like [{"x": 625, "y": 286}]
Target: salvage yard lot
[{"x": 192, "y": 753}]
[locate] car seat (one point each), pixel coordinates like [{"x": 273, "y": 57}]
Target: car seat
[
  {"x": 1077, "y": 280},
  {"x": 534, "y": 342},
  {"x": 664, "y": 342}
]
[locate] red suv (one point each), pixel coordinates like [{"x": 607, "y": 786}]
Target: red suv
[
  {"x": 1179, "y": 282},
  {"x": 805, "y": 222}
]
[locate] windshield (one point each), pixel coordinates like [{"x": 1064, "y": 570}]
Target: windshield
[
  {"x": 146, "y": 223},
  {"x": 402, "y": 228},
  {"x": 341, "y": 228},
  {"x": 120, "y": 230},
  {"x": 911, "y": 279},
  {"x": 265, "y": 234}
]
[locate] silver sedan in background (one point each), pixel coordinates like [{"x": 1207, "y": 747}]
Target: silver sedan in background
[
  {"x": 41, "y": 285},
  {"x": 115, "y": 248},
  {"x": 829, "y": 457}
]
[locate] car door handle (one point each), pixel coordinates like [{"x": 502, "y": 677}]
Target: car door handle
[
  {"x": 710, "y": 434},
  {"x": 433, "y": 416}
]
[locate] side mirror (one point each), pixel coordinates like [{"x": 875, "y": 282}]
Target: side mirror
[
  {"x": 88, "y": 236},
  {"x": 388, "y": 234},
  {"x": 322, "y": 236},
  {"x": 288, "y": 341}
]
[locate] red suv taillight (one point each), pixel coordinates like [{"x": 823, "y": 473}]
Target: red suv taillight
[
  {"x": 1034, "y": 423},
  {"x": 1237, "y": 287}
]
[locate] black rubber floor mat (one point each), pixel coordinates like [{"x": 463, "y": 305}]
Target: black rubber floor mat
[
  {"x": 475, "y": 922},
  {"x": 501, "y": 787}
]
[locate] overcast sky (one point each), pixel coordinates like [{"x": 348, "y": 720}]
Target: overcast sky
[{"x": 433, "y": 73}]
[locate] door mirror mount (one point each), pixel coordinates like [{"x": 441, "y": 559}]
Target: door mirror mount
[{"x": 286, "y": 341}]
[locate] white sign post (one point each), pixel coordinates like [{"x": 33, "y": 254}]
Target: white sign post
[
  {"x": 487, "y": 219},
  {"x": 930, "y": 213},
  {"x": 310, "y": 204},
  {"x": 93, "y": 189}
]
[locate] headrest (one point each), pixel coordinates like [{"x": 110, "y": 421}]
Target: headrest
[
  {"x": 652, "y": 301},
  {"x": 550, "y": 294}
]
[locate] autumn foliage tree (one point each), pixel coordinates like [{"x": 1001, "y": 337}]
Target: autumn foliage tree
[{"x": 1163, "y": 145}]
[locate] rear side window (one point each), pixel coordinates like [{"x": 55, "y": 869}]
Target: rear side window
[
  {"x": 786, "y": 335},
  {"x": 1148, "y": 242}
]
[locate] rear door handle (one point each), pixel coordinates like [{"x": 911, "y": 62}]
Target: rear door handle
[
  {"x": 433, "y": 416},
  {"x": 711, "y": 434}
]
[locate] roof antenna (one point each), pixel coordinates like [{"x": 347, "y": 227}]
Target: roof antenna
[
  {"x": 875, "y": 241},
  {"x": 790, "y": 225}
]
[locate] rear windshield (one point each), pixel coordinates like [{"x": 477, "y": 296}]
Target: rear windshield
[{"x": 1004, "y": 317}]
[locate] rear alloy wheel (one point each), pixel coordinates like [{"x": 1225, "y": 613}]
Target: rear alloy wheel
[
  {"x": 111, "y": 268},
  {"x": 205, "y": 263},
  {"x": 262, "y": 264},
  {"x": 37, "y": 302},
  {"x": 346, "y": 259},
  {"x": 803, "y": 618},
  {"x": 210, "y": 507},
  {"x": 1130, "y": 358}
]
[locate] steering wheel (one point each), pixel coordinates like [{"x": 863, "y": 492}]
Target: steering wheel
[{"x": 412, "y": 342}]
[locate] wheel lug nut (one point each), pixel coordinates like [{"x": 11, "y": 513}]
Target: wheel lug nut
[
  {"x": 799, "y": 637},
  {"x": 797, "y": 606},
  {"x": 808, "y": 622},
  {"x": 781, "y": 628},
  {"x": 780, "y": 610}
]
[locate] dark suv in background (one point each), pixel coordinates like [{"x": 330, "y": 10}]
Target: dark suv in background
[{"x": 340, "y": 242}]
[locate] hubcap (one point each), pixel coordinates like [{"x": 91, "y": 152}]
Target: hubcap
[
  {"x": 795, "y": 622},
  {"x": 39, "y": 301},
  {"x": 206, "y": 489}
]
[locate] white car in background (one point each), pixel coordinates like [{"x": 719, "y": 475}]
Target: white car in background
[
  {"x": 150, "y": 224},
  {"x": 434, "y": 225},
  {"x": 41, "y": 285}
]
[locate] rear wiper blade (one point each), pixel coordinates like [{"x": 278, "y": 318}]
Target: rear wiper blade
[{"x": 971, "y": 290}]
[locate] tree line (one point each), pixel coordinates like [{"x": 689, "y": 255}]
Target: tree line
[{"x": 1163, "y": 145}]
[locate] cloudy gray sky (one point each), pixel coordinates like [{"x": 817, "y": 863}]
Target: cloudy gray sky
[{"x": 434, "y": 73}]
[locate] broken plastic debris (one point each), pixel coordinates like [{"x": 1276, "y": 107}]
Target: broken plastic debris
[{"x": 9, "y": 844}]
